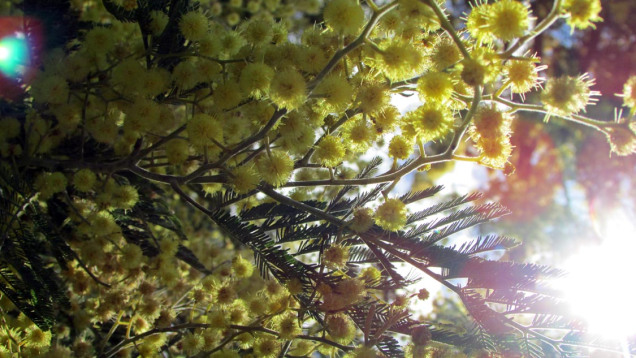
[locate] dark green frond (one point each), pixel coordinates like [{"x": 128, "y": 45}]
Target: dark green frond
[
  {"x": 503, "y": 275},
  {"x": 467, "y": 218},
  {"x": 365, "y": 197},
  {"x": 412, "y": 197},
  {"x": 370, "y": 169},
  {"x": 438, "y": 208},
  {"x": 487, "y": 243},
  {"x": 493, "y": 322},
  {"x": 270, "y": 258},
  {"x": 301, "y": 233},
  {"x": 271, "y": 210},
  {"x": 474, "y": 339},
  {"x": 489, "y": 210}
]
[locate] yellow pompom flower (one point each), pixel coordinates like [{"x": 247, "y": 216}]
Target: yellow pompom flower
[
  {"x": 49, "y": 184},
  {"x": 255, "y": 79},
  {"x": 508, "y": 19},
  {"x": 287, "y": 326},
  {"x": 68, "y": 117},
  {"x": 582, "y": 13},
  {"x": 217, "y": 319},
  {"x": 494, "y": 151},
  {"x": 431, "y": 121},
  {"x": 241, "y": 267},
  {"x": 191, "y": 343},
  {"x": 210, "y": 45},
  {"x": 288, "y": 89},
  {"x": 233, "y": 18},
  {"x": 629, "y": 94},
  {"x": 267, "y": 347},
  {"x": 231, "y": 43},
  {"x": 258, "y": 31},
  {"x": 386, "y": 119},
  {"x": 35, "y": 337},
  {"x": 417, "y": 12},
  {"x": 373, "y": 97},
  {"x": 336, "y": 256},
  {"x": 359, "y": 135},
  {"x": 275, "y": 168},
  {"x": 168, "y": 247},
  {"x": 400, "y": 147},
  {"x": 351, "y": 289},
  {"x": 370, "y": 275},
  {"x": 523, "y": 75},
  {"x": 293, "y": 125},
  {"x": 344, "y": 16},
  {"x": 477, "y": 23},
  {"x": 193, "y": 26},
  {"x": 473, "y": 72},
  {"x": 99, "y": 40},
  {"x": 341, "y": 328},
  {"x": 435, "y": 86},
  {"x": 491, "y": 123},
  {"x": 203, "y": 128},
  {"x": 227, "y": 95},
  {"x": 177, "y": 151},
  {"x": 330, "y": 151},
  {"x": 155, "y": 82},
  {"x": 142, "y": 115},
  {"x": 124, "y": 197},
  {"x": 76, "y": 67},
  {"x": 401, "y": 60},
  {"x": 567, "y": 95},
  {"x": 444, "y": 54},
  {"x": 103, "y": 223},
  {"x": 185, "y": 74},
  {"x": 335, "y": 91},
  {"x": 622, "y": 140},
  {"x": 391, "y": 215},
  {"x": 313, "y": 59},
  {"x": 84, "y": 179},
  {"x": 210, "y": 71},
  {"x": 125, "y": 73},
  {"x": 244, "y": 179},
  {"x": 362, "y": 220},
  {"x": 131, "y": 256},
  {"x": 51, "y": 89}
]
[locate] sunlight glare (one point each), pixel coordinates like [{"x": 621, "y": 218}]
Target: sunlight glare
[
  {"x": 13, "y": 55},
  {"x": 600, "y": 285},
  {"x": 4, "y": 53}
]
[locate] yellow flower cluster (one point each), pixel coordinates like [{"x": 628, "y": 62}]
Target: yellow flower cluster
[
  {"x": 216, "y": 106},
  {"x": 491, "y": 131}
]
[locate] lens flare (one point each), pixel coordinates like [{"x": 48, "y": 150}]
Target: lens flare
[
  {"x": 21, "y": 42},
  {"x": 14, "y": 54},
  {"x": 4, "y": 53},
  {"x": 600, "y": 284}
]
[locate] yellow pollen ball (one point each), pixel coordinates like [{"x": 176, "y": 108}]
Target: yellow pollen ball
[
  {"x": 344, "y": 16},
  {"x": 193, "y": 25},
  {"x": 391, "y": 215},
  {"x": 275, "y": 168}
]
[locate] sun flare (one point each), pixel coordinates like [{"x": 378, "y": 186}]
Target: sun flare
[
  {"x": 4, "y": 53},
  {"x": 599, "y": 285}
]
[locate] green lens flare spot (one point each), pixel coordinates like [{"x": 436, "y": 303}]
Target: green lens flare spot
[{"x": 13, "y": 55}]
